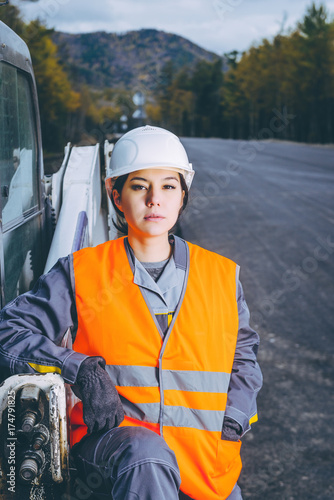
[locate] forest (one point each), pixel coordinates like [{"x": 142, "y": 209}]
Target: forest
[{"x": 282, "y": 88}]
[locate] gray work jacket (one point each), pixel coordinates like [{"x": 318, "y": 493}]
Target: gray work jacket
[{"x": 33, "y": 325}]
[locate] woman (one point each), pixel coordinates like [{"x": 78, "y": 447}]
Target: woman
[{"x": 160, "y": 332}]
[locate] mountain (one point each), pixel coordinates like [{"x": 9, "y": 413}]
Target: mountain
[{"x": 128, "y": 60}]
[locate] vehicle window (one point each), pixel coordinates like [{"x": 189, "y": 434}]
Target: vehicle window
[
  {"x": 18, "y": 158},
  {"x": 19, "y": 180}
]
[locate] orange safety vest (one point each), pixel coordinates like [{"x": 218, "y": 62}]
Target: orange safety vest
[{"x": 175, "y": 386}]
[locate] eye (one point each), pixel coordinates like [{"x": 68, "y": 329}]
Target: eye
[
  {"x": 138, "y": 187},
  {"x": 169, "y": 186}
]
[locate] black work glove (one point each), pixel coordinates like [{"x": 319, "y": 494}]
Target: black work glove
[
  {"x": 231, "y": 430},
  {"x": 102, "y": 407}
]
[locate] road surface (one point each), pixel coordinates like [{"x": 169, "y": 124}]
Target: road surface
[{"x": 269, "y": 206}]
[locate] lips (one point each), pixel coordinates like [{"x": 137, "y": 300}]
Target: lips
[{"x": 154, "y": 217}]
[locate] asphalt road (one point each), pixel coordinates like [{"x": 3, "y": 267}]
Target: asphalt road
[{"x": 269, "y": 206}]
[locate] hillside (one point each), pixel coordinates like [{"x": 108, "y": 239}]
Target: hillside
[{"x": 128, "y": 60}]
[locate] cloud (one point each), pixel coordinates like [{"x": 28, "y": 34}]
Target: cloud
[{"x": 217, "y": 25}]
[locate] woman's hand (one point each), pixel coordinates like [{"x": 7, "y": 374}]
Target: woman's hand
[{"x": 102, "y": 407}]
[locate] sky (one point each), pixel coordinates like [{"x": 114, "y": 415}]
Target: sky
[{"x": 216, "y": 25}]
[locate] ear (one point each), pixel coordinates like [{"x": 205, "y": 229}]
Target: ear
[{"x": 117, "y": 199}]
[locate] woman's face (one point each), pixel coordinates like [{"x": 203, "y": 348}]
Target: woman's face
[{"x": 150, "y": 201}]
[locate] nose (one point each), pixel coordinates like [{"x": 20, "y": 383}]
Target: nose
[{"x": 153, "y": 198}]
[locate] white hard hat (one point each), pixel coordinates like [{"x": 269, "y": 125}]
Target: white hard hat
[{"x": 148, "y": 147}]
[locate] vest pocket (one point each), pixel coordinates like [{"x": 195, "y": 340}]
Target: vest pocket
[{"x": 228, "y": 466}]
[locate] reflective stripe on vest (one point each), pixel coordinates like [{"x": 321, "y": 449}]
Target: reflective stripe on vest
[
  {"x": 178, "y": 385},
  {"x": 195, "y": 390}
]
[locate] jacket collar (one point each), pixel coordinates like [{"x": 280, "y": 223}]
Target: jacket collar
[{"x": 169, "y": 277}]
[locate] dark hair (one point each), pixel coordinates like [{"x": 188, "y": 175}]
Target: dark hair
[{"x": 120, "y": 223}]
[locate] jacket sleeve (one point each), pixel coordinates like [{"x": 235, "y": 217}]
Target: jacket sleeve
[
  {"x": 246, "y": 376},
  {"x": 33, "y": 325}
]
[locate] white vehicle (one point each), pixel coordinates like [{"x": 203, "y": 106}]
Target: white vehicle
[{"x": 42, "y": 218}]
